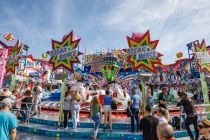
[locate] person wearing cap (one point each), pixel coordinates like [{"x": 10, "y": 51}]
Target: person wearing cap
[
  {"x": 165, "y": 132},
  {"x": 8, "y": 123},
  {"x": 191, "y": 118},
  {"x": 204, "y": 129}
]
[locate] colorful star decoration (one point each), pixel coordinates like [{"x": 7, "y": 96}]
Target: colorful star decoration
[
  {"x": 145, "y": 48},
  {"x": 202, "y": 48},
  {"x": 13, "y": 58},
  {"x": 66, "y": 48}
]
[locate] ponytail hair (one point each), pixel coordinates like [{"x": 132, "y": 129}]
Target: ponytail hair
[{"x": 164, "y": 113}]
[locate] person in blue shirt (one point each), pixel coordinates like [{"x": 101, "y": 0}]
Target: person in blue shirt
[
  {"x": 8, "y": 123},
  {"x": 107, "y": 109},
  {"x": 135, "y": 106}
]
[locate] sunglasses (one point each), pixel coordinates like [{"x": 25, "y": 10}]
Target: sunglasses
[{"x": 201, "y": 126}]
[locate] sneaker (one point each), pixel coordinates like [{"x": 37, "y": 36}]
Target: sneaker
[{"x": 66, "y": 128}]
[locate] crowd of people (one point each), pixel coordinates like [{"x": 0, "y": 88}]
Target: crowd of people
[{"x": 156, "y": 123}]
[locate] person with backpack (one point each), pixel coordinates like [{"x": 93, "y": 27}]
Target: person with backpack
[{"x": 191, "y": 118}]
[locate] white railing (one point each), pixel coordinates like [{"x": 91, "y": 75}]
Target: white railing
[{"x": 29, "y": 108}]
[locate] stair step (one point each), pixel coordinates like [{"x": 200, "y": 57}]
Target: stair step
[
  {"x": 82, "y": 124},
  {"x": 53, "y": 131}
]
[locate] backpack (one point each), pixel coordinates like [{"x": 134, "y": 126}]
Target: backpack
[
  {"x": 113, "y": 105},
  {"x": 176, "y": 122}
]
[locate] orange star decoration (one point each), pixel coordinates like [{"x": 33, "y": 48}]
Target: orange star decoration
[
  {"x": 203, "y": 56},
  {"x": 141, "y": 53},
  {"x": 13, "y": 57},
  {"x": 64, "y": 54}
]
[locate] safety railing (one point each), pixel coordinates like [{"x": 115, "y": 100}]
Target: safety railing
[{"x": 29, "y": 109}]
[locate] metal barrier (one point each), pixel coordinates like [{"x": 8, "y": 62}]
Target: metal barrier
[{"x": 29, "y": 108}]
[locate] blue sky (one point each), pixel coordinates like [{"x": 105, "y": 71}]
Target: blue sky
[{"x": 106, "y": 23}]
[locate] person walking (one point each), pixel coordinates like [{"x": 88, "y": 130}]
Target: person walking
[
  {"x": 8, "y": 123},
  {"x": 96, "y": 115},
  {"x": 135, "y": 106},
  {"x": 107, "y": 109},
  {"x": 191, "y": 118},
  {"x": 66, "y": 108},
  {"x": 148, "y": 125},
  {"x": 76, "y": 99}
]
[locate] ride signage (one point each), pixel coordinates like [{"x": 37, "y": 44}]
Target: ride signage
[
  {"x": 204, "y": 56},
  {"x": 141, "y": 53},
  {"x": 63, "y": 53}
]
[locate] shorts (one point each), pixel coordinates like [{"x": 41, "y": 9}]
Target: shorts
[{"x": 107, "y": 108}]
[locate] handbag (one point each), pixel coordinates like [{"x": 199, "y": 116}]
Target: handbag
[
  {"x": 129, "y": 112},
  {"x": 113, "y": 105}
]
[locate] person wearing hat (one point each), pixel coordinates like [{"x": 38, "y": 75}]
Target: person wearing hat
[
  {"x": 191, "y": 118},
  {"x": 8, "y": 121}
]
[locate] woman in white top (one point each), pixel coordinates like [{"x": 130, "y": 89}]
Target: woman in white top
[
  {"x": 66, "y": 108},
  {"x": 163, "y": 115},
  {"x": 76, "y": 99}
]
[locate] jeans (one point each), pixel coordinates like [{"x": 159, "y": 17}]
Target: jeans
[
  {"x": 24, "y": 114},
  {"x": 75, "y": 117},
  {"x": 134, "y": 117},
  {"x": 65, "y": 121},
  {"x": 97, "y": 119},
  {"x": 189, "y": 121}
]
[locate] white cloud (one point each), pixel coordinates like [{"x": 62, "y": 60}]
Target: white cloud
[{"x": 173, "y": 22}]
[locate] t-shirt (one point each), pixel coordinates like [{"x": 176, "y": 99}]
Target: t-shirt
[
  {"x": 188, "y": 106},
  {"x": 76, "y": 104},
  {"x": 162, "y": 120},
  {"x": 162, "y": 97},
  {"x": 94, "y": 109},
  {"x": 8, "y": 121},
  {"x": 107, "y": 100},
  {"x": 136, "y": 100},
  {"x": 149, "y": 125},
  {"x": 26, "y": 100},
  {"x": 67, "y": 103}
]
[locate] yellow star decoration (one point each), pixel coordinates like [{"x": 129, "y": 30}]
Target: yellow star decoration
[
  {"x": 68, "y": 62},
  {"x": 13, "y": 57},
  {"x": 202, "y": 48},
  {"x": 149, "y": 63}
]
